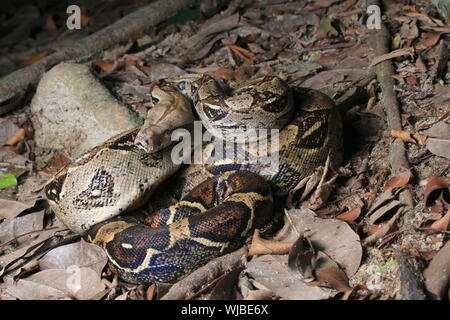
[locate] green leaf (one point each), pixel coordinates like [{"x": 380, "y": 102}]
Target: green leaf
[
  {"x": 7, "y": 180},
  {"x": 182, "y": 17}
]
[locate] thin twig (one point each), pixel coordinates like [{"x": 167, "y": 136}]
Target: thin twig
[{"x": 31, "y": 232}]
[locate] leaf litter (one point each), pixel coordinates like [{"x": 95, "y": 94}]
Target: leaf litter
[{"x": 332, "y": 215}]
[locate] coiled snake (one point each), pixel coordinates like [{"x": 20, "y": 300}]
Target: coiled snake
[{"x": 224, "y": 197}]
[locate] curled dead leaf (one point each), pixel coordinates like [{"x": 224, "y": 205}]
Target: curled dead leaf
[
  {"x": 384, "y": 228},
  {"x": 301, "y": 258},
  {"x": 350, "y": 215},
  {"x": 436, "y": 193},
  {"x": 399, "y": 180},
  {"x": 442, "y": 224},
  {"x": 329, "y": 274}
]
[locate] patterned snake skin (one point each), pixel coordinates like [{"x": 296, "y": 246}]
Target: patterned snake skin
[{"x": 223, "y": 199}]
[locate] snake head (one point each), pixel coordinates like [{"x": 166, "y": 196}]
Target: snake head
[{"x": 153, "y": 139}]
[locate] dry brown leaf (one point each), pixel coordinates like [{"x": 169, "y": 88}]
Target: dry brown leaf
[
  {"x": 16, "y": 258},
  {"x": 329, "y": 274},
  {"x": 7, "y": 130},
  {"x": 273, "y": 272},
  {"x": 350, "y": 215},
  {"x": 16, "y": 142},
  {"x": 396, "y": 53},
  {"x": 399, "y": 180},
  {"x": 222, "y": 25},
  {"x": 428, "y": 39},
  {"x": 224, "y": 73},
  {"x": 28, "y": 290},
  {"x": 301, "y": 258},
  {"x": 353, "y": 294},
  {"x": 255, "y": 48},
  {"x": 409, "y": 30},
  {"x": 58, "y": 163},
  {"x": 407, "y": 136},
  {"x": 334, "y": 237},
  {"x": 435, "y": 187},
  {"x": 376, "y": 215},
  {"x": 164, "y": 70},
  {"x": 150, "y": 293},
  {"x": 226, "y": 286},
  {"x": 104, "y": 65},
  {"x": 383, "y": 229},
  {"x": 259, "y": 294},
  {"x": 441, "y": 224},
  {"x": 411, "y": 80},
  {"x": 230, "y": 40}
]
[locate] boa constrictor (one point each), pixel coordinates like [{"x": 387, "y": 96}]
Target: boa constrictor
[{"x": 223, "y": 198}]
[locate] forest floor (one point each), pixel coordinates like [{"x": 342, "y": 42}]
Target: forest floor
[{"x": 390, "y": 222}]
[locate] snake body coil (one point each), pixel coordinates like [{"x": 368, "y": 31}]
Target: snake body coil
[{"x": 224, "y": 198}]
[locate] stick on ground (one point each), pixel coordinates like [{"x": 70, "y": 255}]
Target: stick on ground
[{"x": 380, "y": 42}]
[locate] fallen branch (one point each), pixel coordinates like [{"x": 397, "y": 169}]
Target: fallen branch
[
  {"x": 121, "y": 31},
  {"x": 205, "y": 274},
  {"x": 380, "y": 41}
]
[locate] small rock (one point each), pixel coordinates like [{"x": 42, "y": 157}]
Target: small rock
[{"x": 72, "y": 112}]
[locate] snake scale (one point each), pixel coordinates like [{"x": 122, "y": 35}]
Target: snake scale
[{"x": 223, "y": 198}]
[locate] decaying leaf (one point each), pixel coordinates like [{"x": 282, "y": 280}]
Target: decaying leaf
[
  {"x": 12, "y": 208},
  {"x": 274, "y": 273},
  {"x": 441, "y": 224},
  {"x": 20, "y": 228},
  {"x": 384, "y": 228},
  {"x": 428, "y": 39},
  {"x": 350, "y": 215},
  {"x": 436, "y": 194},
  {"x": 164, "y": 70},
  {"x": 79, "y": 283},
  {"x": 301, "y": 258},
  {"x": 377, "y": 215},
  {"x": 334, "y": 237},
  {"x": 329, "y": 274},
  {"x": 399, "y": 180},
  {"x": 224, "y": 289},
  {"x": 407, "y": 136},
  {"x": 81, "y": 254},
  {"x": 259, "y": 294}
]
